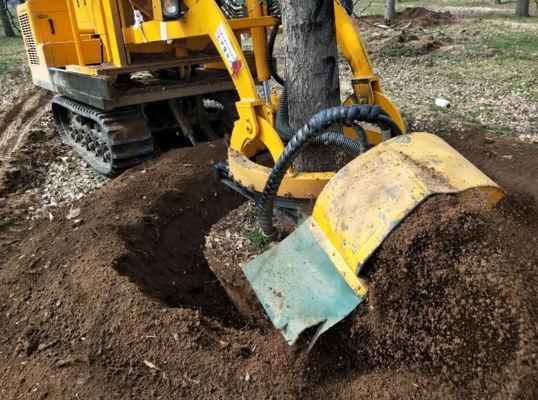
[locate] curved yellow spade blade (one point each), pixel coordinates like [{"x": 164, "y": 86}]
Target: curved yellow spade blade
[
  {"x": 371, "y": 195},
  {"x": 310, "y": 279}
]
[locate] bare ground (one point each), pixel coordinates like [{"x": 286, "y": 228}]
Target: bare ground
[{"x": 122, "y": 303}]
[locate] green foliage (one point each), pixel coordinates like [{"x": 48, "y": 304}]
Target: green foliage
[
  {"x": 514, "y": 44},
  {"x": 256, "y": 238},
  {"x": 12, "y": 54}
]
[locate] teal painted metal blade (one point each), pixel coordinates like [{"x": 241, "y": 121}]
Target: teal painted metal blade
[{"x": 299, "y": 287}]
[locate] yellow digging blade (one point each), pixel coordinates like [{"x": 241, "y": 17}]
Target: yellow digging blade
[
  {"x": 311, "y": 278},
  {"x": 371, "y": 195}
]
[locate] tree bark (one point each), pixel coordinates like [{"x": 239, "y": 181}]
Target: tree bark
[
  {"x": 390, "y": 10},
  {"x": 311, "y": 71},
  {"x": 522, "y": 8},
  {"x": 6, "y": 22}
]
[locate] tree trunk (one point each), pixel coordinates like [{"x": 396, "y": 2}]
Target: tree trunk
[
  {"x": 311, "y": 71},
  {"x": 390, "y": 10},
  {"x": 522, "y": 8},
  {"x": 6, "y": 22}
]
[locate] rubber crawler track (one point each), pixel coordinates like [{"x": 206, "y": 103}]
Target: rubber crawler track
[{"x": 125, "y": 132}]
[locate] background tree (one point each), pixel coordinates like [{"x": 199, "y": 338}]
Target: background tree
[
  {"x": 311, "y": 70},
  {"x": 390, "y": 10},
  {"x": 522, "y": 8},
  {"x": 6, "y": 21}
]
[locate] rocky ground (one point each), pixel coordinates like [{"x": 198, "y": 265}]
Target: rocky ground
[{"x": 100, "y": 300}]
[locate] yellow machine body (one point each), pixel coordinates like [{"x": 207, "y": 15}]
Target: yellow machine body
[
  {"x": 390, "y": 181},
  {"x": 101, "y": 38}
]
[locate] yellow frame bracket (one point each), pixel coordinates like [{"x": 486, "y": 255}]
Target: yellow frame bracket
[{"x": 366, "y": 84}]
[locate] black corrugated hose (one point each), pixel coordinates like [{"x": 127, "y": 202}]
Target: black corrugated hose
[
  {"x": 354, "y": 147},
  {"x": 272, "y": 60},
  {"x": 347, "y": 115}
]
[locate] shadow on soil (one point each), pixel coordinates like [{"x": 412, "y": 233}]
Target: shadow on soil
[{"x": 164, "y": 254}]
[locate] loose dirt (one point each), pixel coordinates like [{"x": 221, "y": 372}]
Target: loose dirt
[
  {"x": 414, "y": 17},
  {"x": 120, "y": 302},
  {"x": 412, "y": 38},
  {"x": 450, "y": 291},
  {"x": 452, "y": 295}
]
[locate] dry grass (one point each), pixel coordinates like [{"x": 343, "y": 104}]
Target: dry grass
[{"x": 486, "y": 67}]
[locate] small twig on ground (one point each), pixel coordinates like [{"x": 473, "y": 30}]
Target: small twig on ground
[{"x": 191, "y": 380}]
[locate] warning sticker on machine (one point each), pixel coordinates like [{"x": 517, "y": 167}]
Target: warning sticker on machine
[{"x": 227, "y": 48}]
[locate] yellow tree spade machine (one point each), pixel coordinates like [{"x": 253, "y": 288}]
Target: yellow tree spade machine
[{"x": 131, "y": 74}]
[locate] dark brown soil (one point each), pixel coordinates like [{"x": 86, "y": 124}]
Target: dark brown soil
[
  {"x": 124, "y": 305},
  {"x": 229, "y": 244},
  {"x": 450, "y": 292},
  {"x": 410, "y": 38},
  {"x": 423, "y": 17},
  {"x": 442, "y": 299}
]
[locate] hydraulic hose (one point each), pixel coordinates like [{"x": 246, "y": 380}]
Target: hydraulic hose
[
  {"x": 347, "y": 115},
  {"x": 340, "y": 140},
  {"x": 386, "y": 122},
  {"x": 271, "y": 61},
  {"x": 282, "y": 119},
  {"x": 331, "y": 138}
]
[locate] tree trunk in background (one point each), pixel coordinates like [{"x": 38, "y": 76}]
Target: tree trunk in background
[
  {"x": 6, "y": 22},
  {"x": 390, "y": 10},
  {"x": 311, "y": 71},
  {"x": 522, "y": 8}
]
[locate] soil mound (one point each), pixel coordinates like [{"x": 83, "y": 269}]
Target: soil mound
[
  {"x": 450, "y": 293},
  {"x": 446, "y": 294},
  {"x": 422, "y": 17},
  {"x": 415, "y": 17}
]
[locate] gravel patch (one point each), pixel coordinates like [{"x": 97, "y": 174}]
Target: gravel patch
[{"x": 68, "y": 180}]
